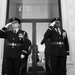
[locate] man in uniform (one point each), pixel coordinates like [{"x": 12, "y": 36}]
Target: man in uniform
[
  {"x": 16, "y": 45},
  {"x": 59, "y": 47}
]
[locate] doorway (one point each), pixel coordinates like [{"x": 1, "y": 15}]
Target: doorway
[{"x": 35, "y": 17}]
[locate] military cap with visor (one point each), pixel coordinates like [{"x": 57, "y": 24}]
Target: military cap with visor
[
  {"x": 14, "y": 19},
  {"x": 55, "y": 19}
]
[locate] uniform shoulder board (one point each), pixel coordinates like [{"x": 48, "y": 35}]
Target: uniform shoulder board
[
  {"x": 50, "y": 28},
  {"x": 3, "y": 29},
  {"x": 64, "y": 33}
]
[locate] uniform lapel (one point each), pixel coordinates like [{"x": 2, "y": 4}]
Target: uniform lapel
[
  {"x": 62, "y": 33},
  {"x": 56, "y": 32},
  {"x": 18, "y": 31}
]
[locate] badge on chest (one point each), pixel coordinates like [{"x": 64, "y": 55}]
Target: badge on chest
[{"x": 21, "y": 35}]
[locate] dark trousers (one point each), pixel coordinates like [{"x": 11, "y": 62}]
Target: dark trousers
[
  {"x": 47, "y": 62},
  {"x": 58, "y": 65},
  {"x": 4, "y": 66},
  {"x": 13, "y": 66},
  {"x": 23, "y": 67}
]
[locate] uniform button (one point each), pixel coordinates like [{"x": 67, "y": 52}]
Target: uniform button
[
  {"x": 13, "y": 38},
  {"x": 12, "y": 47},
  {"x": 60, "y": 46}
]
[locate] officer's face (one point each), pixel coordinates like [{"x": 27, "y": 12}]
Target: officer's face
[
  {"x": 15, "y": 24},
  {"x": 57, "y": 24}
]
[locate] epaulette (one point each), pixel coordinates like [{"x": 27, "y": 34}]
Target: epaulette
[
  {"x": 2, "y": 30},
  {"x": 50, "y": 28}
]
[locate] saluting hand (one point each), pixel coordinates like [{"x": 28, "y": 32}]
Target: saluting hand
[
  {"x": 6, "y": 26},
  {"x": 52, "y": 24}
]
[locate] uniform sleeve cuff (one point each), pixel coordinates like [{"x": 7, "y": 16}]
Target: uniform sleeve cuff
[
  {"x": 24, "y": 51},
  {"x": 4, "y": 29}
]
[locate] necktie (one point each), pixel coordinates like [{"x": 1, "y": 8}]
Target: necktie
[
  {"x": 58, "y": 30},
  {"x": 14, "y": 31}
]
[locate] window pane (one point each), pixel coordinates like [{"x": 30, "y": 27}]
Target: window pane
[{"x": 27, "y": 9}]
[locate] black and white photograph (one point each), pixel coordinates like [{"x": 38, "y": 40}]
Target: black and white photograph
[{"x": 37, "y": 37}]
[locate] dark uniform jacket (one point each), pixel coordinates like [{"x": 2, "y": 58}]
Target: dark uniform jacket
[
  {"x": 18, "y": 41},
  {"x": 57, "y": 49},
  {"x": 47, "y": 43}
]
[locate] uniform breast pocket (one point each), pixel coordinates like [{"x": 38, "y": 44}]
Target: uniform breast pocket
[
  {"x": 21, "y": 39},
  {"x": 20, "y": 36}
]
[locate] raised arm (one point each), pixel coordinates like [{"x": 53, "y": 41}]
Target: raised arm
[{"x": 3, "y": 30}]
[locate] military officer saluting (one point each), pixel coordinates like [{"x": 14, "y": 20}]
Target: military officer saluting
[
  {"x": 16, "y": 45},
  {"x": 58, "y": 48}
]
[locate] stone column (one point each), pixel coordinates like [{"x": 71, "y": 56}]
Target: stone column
[
  {"x": 68, "y": 20},
  {"x": 3, "y": 5}
]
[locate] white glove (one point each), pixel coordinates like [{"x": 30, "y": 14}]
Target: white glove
[
  {"x": 6, "y": 26},
  {"x": 22, "y": 56},
  {"x": 52, "y": 24}
]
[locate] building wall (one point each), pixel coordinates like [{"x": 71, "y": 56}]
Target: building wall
[
  {"x": 3, "y": 4},
  {"x": 68, "y": 20}
]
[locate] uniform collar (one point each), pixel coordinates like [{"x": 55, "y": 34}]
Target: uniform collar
[{"x": 16, "y": 30}]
